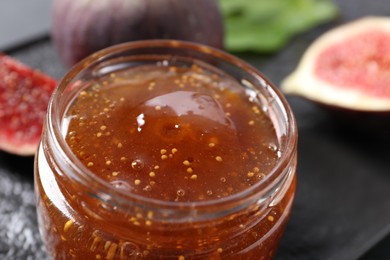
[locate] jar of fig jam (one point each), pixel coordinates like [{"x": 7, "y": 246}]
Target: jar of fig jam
[{"x": 165, "y": 150}]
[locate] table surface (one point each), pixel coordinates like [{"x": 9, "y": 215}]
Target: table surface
[{"x": 342, "y": 205}]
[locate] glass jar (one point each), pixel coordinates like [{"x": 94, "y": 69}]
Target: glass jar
[{"x": 82, "y": 216}]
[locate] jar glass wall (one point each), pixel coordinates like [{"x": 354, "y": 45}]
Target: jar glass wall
[{"x": 84, "y": 215}]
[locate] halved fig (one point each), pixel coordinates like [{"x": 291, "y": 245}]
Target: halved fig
[
  {"x": 348, "y": 67},
  {"x": 24, "y": 96}
]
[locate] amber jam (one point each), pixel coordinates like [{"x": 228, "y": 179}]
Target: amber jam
[{"x": 165, "y": 150}]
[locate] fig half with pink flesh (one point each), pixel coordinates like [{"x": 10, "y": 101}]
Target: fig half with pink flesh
[
  {"x": 24, "y": 96},
  {"x": 348, "y": 67}
]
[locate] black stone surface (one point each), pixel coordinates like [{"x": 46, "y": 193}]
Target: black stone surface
[{"x": 342, "y": 206}]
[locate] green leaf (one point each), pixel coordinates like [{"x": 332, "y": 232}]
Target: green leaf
[{"x": 268, "y": 25}]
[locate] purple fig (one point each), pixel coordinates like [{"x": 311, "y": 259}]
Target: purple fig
[{"x": 81, "y": 27}]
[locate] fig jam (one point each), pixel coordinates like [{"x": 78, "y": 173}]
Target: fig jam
[
  {"x": 165, "y": 161},
  {"x": 173, "y": 134}
]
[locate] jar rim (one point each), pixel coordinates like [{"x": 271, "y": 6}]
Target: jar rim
[{"x": 83, "y": 174}]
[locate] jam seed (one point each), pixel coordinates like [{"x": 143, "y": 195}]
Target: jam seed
[
  {"x": 218, "y": 158},
  {"x": 111, "y": 251},
  {"x": 256, "y": 110},
  {"x": 186, "y": 163},
  {"x": 137, "y": 182},
  {"x": 95, "y": 242},
  {"x": 67, "y": 225},
  {"x": 107, "y": 245}
]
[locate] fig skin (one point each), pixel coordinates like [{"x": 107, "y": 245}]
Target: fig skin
[
  {"x": 82, "y": 27},
  {"x": 305, "y": 83}
]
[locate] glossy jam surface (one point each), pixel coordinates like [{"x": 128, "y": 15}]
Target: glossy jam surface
[{"x": 174, "y": 134}]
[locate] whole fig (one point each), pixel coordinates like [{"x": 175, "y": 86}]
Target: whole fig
[{"x": 81, "y": 27}]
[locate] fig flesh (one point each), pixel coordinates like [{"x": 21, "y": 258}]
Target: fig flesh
[
  {"x": 24, "y": 96},
  {"x": 347, "y": 68},
  {"x": 82, "y": 27}
]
